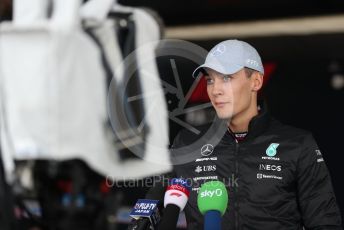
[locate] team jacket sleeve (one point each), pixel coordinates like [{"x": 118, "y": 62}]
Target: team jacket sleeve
[{"x": 314, "y": 190}]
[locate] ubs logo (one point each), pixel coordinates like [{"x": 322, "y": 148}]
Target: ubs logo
[
  {"x": 218, "y": 50},
  {"x": 207, "y": 149},
  {"x": 205, "y": 168}
]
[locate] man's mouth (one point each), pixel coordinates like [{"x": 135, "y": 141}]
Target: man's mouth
[{"x": 220, "y": 104}]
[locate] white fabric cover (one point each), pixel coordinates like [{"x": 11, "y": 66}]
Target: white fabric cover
[{"x": 53, "y": 97}]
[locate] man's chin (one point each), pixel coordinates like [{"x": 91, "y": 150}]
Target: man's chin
[{"x": 224, "y": 116}]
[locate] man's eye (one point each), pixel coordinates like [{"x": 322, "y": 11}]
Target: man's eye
[
  {"x": 227, "y": 77},
  {"x": 209, "y": 81}
]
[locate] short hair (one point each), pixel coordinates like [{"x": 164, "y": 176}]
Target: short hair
[{"x": 249, "y": 71}]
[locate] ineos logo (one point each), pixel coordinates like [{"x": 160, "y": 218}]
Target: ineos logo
[
  {"x": 207, "y": 149},
  {"x": 218, "y": 50},
  {"x": 267, "y": 167}
]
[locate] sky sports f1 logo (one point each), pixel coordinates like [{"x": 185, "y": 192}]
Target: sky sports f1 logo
[
  {"x": 180, "y": 181},
  {"x": 179, "y": 185}
]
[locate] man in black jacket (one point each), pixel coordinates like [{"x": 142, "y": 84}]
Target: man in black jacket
[{"x": 275, "y": 174}]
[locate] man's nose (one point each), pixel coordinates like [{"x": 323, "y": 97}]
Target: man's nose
[{"x": 217, "y": 88}]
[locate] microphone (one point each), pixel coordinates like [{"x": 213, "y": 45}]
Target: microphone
[
  {"x": 146, "y": 214},
  {"x": 155, "y": 193},
  {"x": 212, "y": 202},
  {"x": 176, "y": 197}
]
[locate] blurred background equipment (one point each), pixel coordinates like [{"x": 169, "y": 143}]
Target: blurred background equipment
[
  {"x": 300, "y": 43},
  {"x": 67, "y": 83},
  {"x": 65, "y": 90}
]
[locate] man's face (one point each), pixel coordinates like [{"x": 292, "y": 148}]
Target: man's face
[{"x": 230, "y": 95}]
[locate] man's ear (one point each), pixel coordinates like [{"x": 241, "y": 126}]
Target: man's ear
[{"x": 257, "y": 81}]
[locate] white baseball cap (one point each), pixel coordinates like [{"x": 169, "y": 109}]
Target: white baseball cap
[{"x": 230, "y": 56}]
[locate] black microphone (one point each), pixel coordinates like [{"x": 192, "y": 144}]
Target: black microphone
[
  {"x": 146, "y": 214},
  {"x": 144, "y": 222},
  {"x": 139, "y": 224},
  {"x": 176, "y": 197}
]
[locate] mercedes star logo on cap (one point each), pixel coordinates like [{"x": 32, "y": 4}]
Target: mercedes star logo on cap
[{"x": 220, "y": 49}]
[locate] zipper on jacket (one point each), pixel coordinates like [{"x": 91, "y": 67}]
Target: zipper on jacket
[{"x": 235, "y": 188}]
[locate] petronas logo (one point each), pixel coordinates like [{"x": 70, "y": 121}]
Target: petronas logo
[{"x": 272, "y": 149}]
